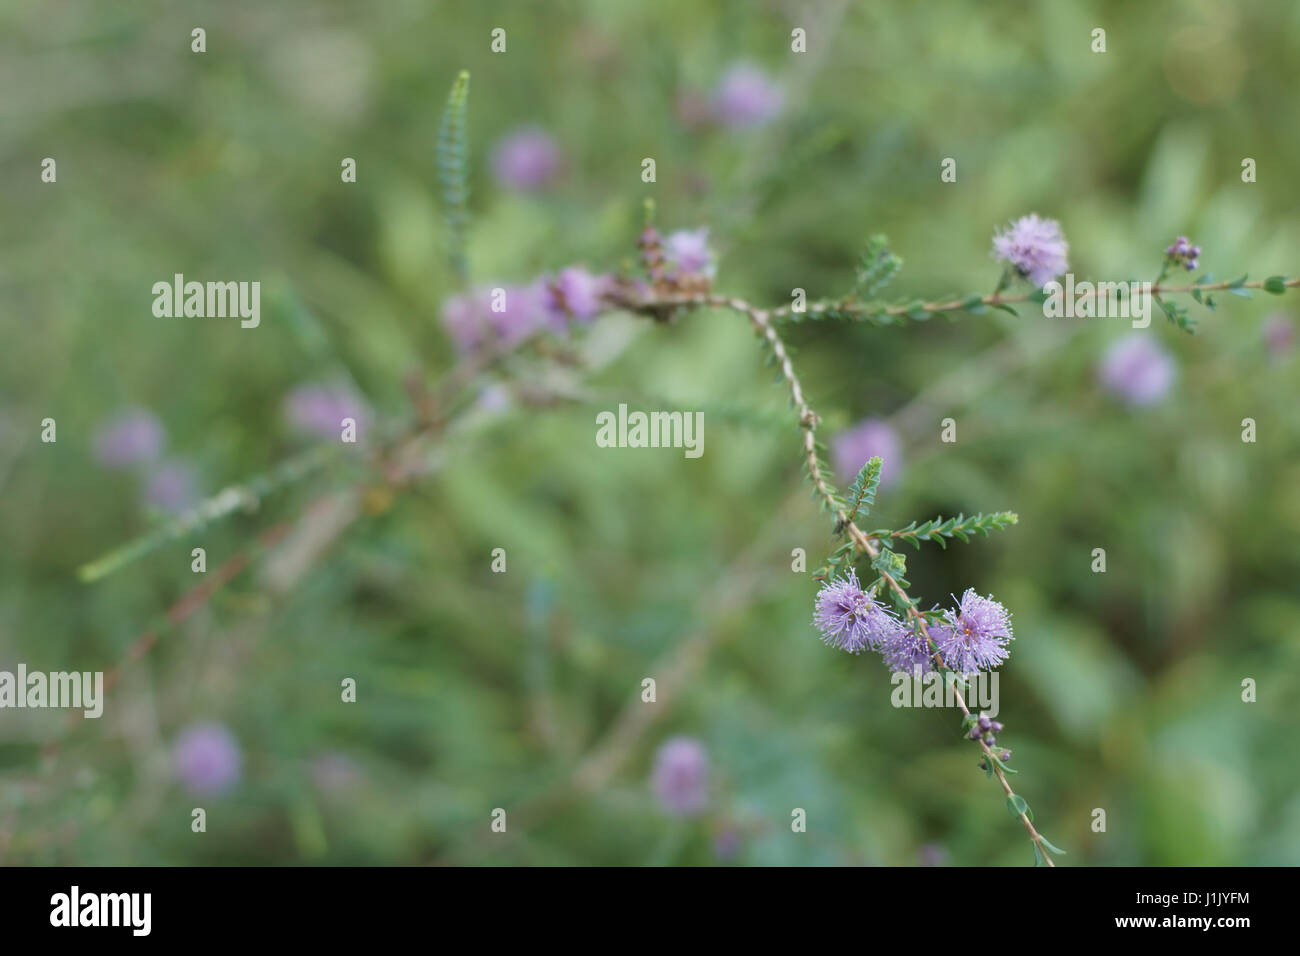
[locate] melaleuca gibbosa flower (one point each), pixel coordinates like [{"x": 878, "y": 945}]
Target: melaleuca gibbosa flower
[
  {"x": 871, "y": 438},
  {"x": 1183, "y": 253},
  {"x": 132, "y": 438},
  {"x": 526, "y": 159},
  {"x": 975, "y": 635},
  {"x": 206, "y": 758},
  {"x": 681, "y": 776},
  {"x": 172, "y": 487},
  {"x": 1138, "y": 370},
  {"x": 319, "y": 409},
  {"x": 687, "y": 252},
  {"x": 745, "y": 97},
  {"x": 576, "y": 294},
  {"x": 1034, "y": 247},
  {"x": 1279, "y": 335},
  {"x": 851, "y": 619},
  {"x": 907, "y": 651}
]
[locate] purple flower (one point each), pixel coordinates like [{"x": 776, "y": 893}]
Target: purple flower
[
  {"x": 334, "y": 772},
  {"x": 320, "y": 409},
  {"x": 681, "y": 776},
  {"x": 206, "y": 758},
  {"x": 1279, "y": 335},
  {"x": 849, "y": 618},
  {"x": 976, "y": 635},
  {"x": 1182, "y": 251},
  {"x": 688, "y": 252},
  {"x": 172, "y": 487},
  {"x": 745, "y": 97},
  {"x": 133, "y": 437},
  {"x": 501, "y": 315},
  {"x": 932, "y": 854},
  {"x": 1035, "y": 247},
  {"x": 906, "y": 651},
  {"x": 524, "y": 311},
  {"x": 466, "y": 319},
  {"x": 869, "y": 438},
  {"x": 526, "y": 159},
  {"x": 1138, "y": 370},
  {"x": 576, "y": 293},
  {"x": 726, "y": 843}
]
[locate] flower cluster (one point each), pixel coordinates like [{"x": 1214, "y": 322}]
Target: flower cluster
[
  {"x": 1183, "y": 253},
  {"x": 134, "y": 440},
  {"x": 986, "y": 729},
  {"x": 682, "y": 261},
  {"x": 319, "y": 409},
  {"x": 507, "y": 315},
  {"x": 973, "y": 636}
]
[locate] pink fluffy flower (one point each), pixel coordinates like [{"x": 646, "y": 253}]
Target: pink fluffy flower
[{"x": 1034, "y": 247}]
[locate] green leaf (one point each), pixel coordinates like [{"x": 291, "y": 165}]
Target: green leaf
[
  {"x": 862, "y": 492},
  {"x": 876, "y": 268},
  {"x": 452, "y": 158},
  {"x": 1039, "y": 859},
  {"x": 1275, "y": 284},
  {"x": 1004, "y": 307},
  {"x": 1002, "y": 766},
  {"x": 1047, "y": 843},
  {"x": 1016, "y": 805}
]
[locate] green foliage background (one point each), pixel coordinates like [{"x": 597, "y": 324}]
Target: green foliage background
[{"x": 481, "y": 690}]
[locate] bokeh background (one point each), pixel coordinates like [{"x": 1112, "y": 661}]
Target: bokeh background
[{"x": 520, "y": 690}]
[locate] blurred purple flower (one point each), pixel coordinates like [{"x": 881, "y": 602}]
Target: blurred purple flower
[
  {"x": 320, "y": 409},
  {"x": 1138, "y": 370},
  {"x": 172, "y": 487},
  {"x": 1034, "y": 247},
  {"x": 133, "y": 437},
  {"x": 576, "y": 293},
  {"x": 526, "y": 159},
  {"x": 726, "y": 843},
  {"x": 687, "y": 250},
  {"x": 849, "y": 618},
  {"x": 334, "y": 772},
  {"x": 494, "y": 399},
  {"x": 524, "y": 312},
  {"x": 681, "y": 776},
  {"x": 869, "y": 438},
  {"x": 206, "y": 758},
  {"x": 746, "y": 97},
  {"x": 932, "y": 854},
  {"x": 466, "y": 317},
  {"x": 976, "y": 636},
  {"x": 1279, "y": 335}
]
